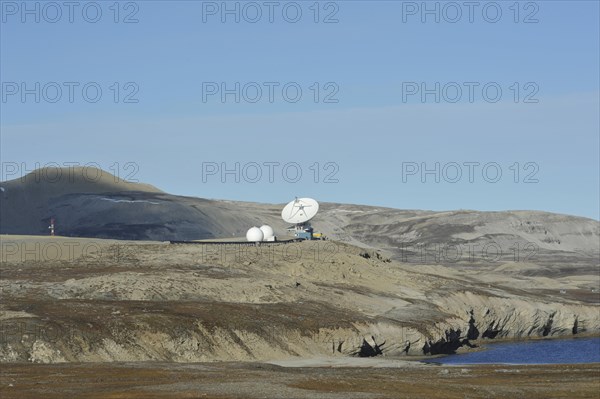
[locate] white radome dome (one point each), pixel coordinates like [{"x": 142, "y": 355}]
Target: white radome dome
[
  {"x": 254, "y": 234},
  {"x": 267, "y": 232}
]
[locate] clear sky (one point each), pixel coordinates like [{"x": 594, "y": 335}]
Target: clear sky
[{"x": 389, "y": 89}]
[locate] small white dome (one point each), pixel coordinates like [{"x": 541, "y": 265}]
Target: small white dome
[
  {"x": 267, "y": 232},
  {"x": 254, "y": 234}
]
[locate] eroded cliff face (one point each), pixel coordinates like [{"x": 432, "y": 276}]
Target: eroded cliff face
[
  {"x": 488, "y": 318},
  {"x": 189, "y": 304},
  {"x": 194, "y": 341}
]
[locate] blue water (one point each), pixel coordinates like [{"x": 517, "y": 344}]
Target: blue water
[{"x": 554, "y": 351}]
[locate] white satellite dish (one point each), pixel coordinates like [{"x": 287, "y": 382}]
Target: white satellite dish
[{"x": 300, "y": 210}]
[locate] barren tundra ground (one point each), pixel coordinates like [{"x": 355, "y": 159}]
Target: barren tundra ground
[
  {"x": 344, "y": 318},
  {"x": 259, "y": 380},
  {"x": 116, "y": 318}
]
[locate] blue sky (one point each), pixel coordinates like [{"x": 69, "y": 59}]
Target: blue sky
[{"x": 366, "y": 130}]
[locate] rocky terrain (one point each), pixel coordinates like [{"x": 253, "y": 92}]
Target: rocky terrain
[
  {"x": 388, "y": 284},
  {"x": 138, "y": 301}
]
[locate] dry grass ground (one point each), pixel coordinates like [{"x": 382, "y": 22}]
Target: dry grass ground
[{"x": 256, "y": 380}]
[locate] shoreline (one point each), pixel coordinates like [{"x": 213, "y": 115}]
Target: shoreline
[{"x": 489, "y": 346}]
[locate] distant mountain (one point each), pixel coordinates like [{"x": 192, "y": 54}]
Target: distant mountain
[
  {"x": 94, "y": 203},
  {"x": 471, "y": 237}
]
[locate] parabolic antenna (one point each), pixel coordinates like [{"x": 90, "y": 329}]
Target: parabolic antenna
[{"x": 300, "y": 210}]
